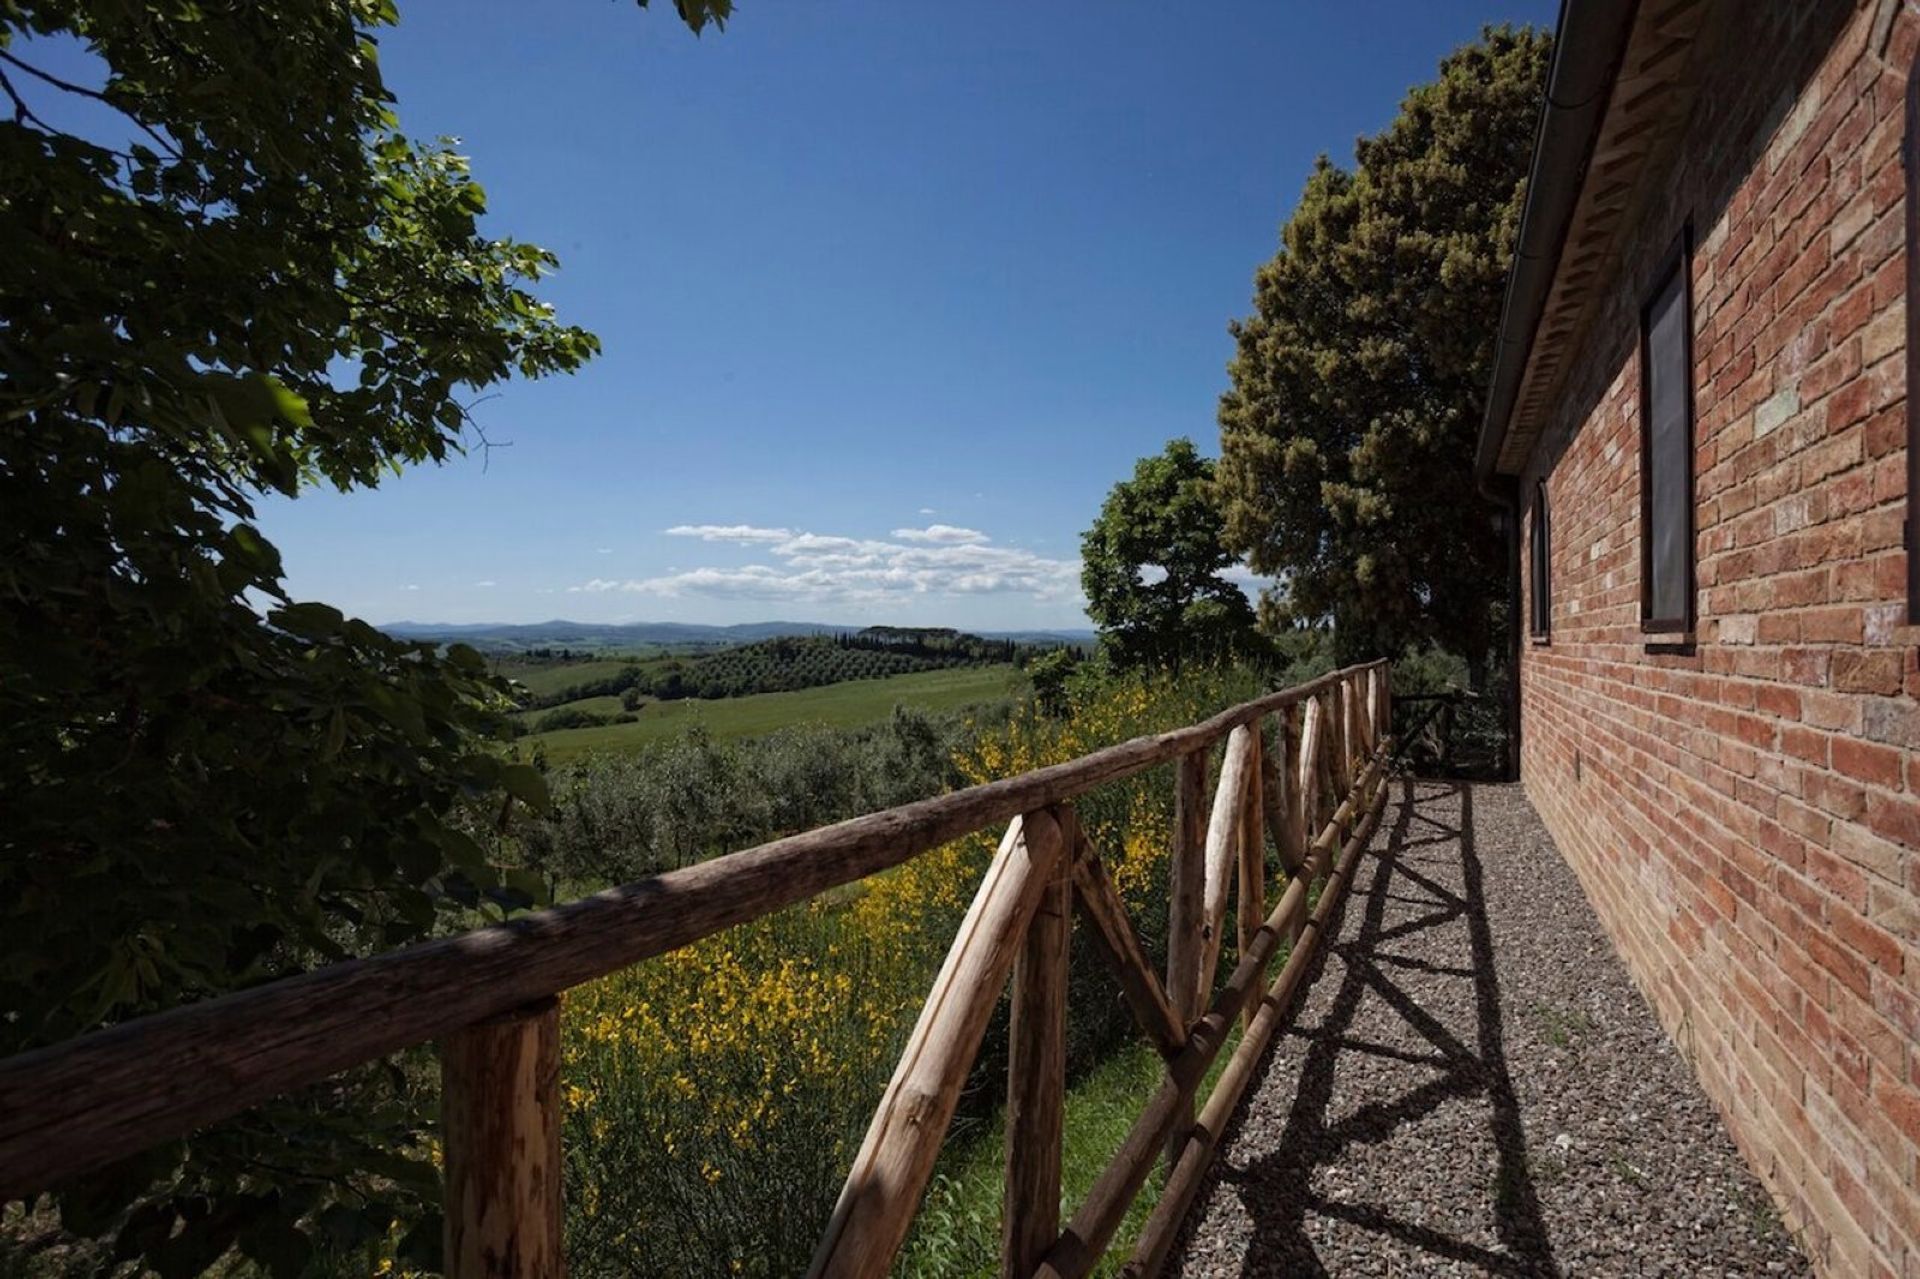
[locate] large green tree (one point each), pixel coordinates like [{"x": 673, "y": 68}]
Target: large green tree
[
  {"x": 1360, "y": 378},
  {"x": 1151, "y": 566},
  {"x": 234, "y": 276}
]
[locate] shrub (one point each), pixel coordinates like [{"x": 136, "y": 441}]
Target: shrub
[
  {"x": 619, "y": 818},
  {"x": 715, "y": 1096},
  {"x": 569, "y": 717}
]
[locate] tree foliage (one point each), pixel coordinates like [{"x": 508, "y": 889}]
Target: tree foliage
[
  {"x": 618, "y": 817},
  {"x": 1152, "y": 564},
  {"x": 252, "y": 281},
  {"x": 1360, "y": 378}
]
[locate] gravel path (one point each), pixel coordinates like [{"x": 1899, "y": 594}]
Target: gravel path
[{"x": 1472, "y": 1085}]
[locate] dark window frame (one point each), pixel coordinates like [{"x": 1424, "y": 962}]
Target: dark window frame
[
  {"x": 1910, "y": 157},
  {"x": 1678, "y": 262},
  {"x": 1540, "y": 568}
]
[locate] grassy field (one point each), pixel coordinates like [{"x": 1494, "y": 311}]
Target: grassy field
[
  {"x": 608, "y": 705},
  {"x": 958, "y": 1229},
  {"x": 843, "y": 705},
  {"x": 544, "y": 680}
]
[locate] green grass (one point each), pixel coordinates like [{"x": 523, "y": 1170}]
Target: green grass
[
  {"x": 844, "y": 705},
  {"x": 1562, "y": 1027},
  {"x": 608, "y": 705},
  {"x": 543, "y": 681},
  {"x": 958, "y": 1229}
]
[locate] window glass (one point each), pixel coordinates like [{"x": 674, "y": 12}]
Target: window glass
[
  {"x": 1540, "y": 562},
  {"x": 1913, "y": 342},
  {"x": 1667, "y": 457}
]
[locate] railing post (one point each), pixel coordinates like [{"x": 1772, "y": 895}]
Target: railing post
[
  {"x": 1341, "y": 738},
  {"x": 1292, "y": 834},
  {"x": 1363, "y": 714},
  {"x": 1251, "y": 891},
  {"x": 1224, "y": 837},
  {"x": 500, "y": 1129},
  {"x": 1273, "y": 789},
  {"x": 1331, "y": 787},
  {"x": 1376, "y": 681},
  {"x": 1308, "y": 769},
  {"x": 1037, "y": 1070},
  {"x": 1386, "y": 702},
  {"x": 889, "y": 1174},
  {"x": 1186, "y": 870}
]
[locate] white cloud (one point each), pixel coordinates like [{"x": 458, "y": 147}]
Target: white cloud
[
  {"x": 742, "y": 533},
  {"x": 487, "y": 582},
  {"x": 603, "y": 550},
  {"x": 926, "y": 510},
  {"x": 831, "y": 569},
  {"x": 754, "y": 581},
  {"x": 812, "y": 545},
  {"x": 1250, "y": 582},
  {"x": 411, "y": 586},
  {"x": 942, "y": 534}
]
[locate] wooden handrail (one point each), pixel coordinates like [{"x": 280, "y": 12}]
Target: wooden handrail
[
  {"x": 882, "y": 1192},
  {"x": 487, "y": 998},
  {"x": 75, "y": 1106}
]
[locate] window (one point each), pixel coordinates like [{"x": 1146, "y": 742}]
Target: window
[
  {"x": 1666, "y": 447},
  {"x": 1912, "y": 161},
  {"x": 1539, "y": 561}
]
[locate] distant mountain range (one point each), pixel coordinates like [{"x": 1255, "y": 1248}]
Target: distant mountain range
[{"x": 519, "y": 636}]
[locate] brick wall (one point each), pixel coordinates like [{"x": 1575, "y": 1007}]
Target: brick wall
[{"x": 1745, "y": 815}]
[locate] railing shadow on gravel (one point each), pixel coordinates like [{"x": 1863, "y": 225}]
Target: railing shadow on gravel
[{"x": 1277, "y": 1189}]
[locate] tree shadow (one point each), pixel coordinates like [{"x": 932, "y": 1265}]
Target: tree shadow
[{"x": 1277, "y": 1188}]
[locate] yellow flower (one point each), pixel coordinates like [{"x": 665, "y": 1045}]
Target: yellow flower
[{"x": 687, "y": 1073}]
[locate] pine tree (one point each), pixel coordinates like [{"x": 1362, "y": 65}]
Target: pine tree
[{"x": 1360, "y": 378}]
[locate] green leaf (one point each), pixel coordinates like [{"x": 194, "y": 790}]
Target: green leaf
[
  {"x": 527, "y": 881},
  {"x": 526, "y": 784},
  {"x": 308, "y": 620},
  {"x": 286, "y": 405}
]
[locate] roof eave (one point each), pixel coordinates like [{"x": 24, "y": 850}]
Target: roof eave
[{"x": 1589, "y": 44}]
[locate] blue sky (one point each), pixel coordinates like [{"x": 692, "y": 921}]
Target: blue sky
[{"x": 891, "y": 294}]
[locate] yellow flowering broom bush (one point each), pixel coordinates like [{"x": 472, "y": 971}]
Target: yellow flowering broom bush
[{"x": 715, "y": 1096}]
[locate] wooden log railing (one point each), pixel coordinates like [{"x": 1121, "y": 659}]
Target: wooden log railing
[{"x": 487, "y": 998}]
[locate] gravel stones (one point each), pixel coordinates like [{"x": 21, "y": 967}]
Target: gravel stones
[{"x": 1472, "y": 1085}]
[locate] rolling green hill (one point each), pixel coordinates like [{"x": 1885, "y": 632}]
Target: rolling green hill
[
  {"x": 795, "y": 662},
  {"x": 544, "y": 681},
  {"x": 841, "y": 705},
  {"x": 559, "y": 679}
]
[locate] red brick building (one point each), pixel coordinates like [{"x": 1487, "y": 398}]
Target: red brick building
[{"x": 1700, "y": 418}]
